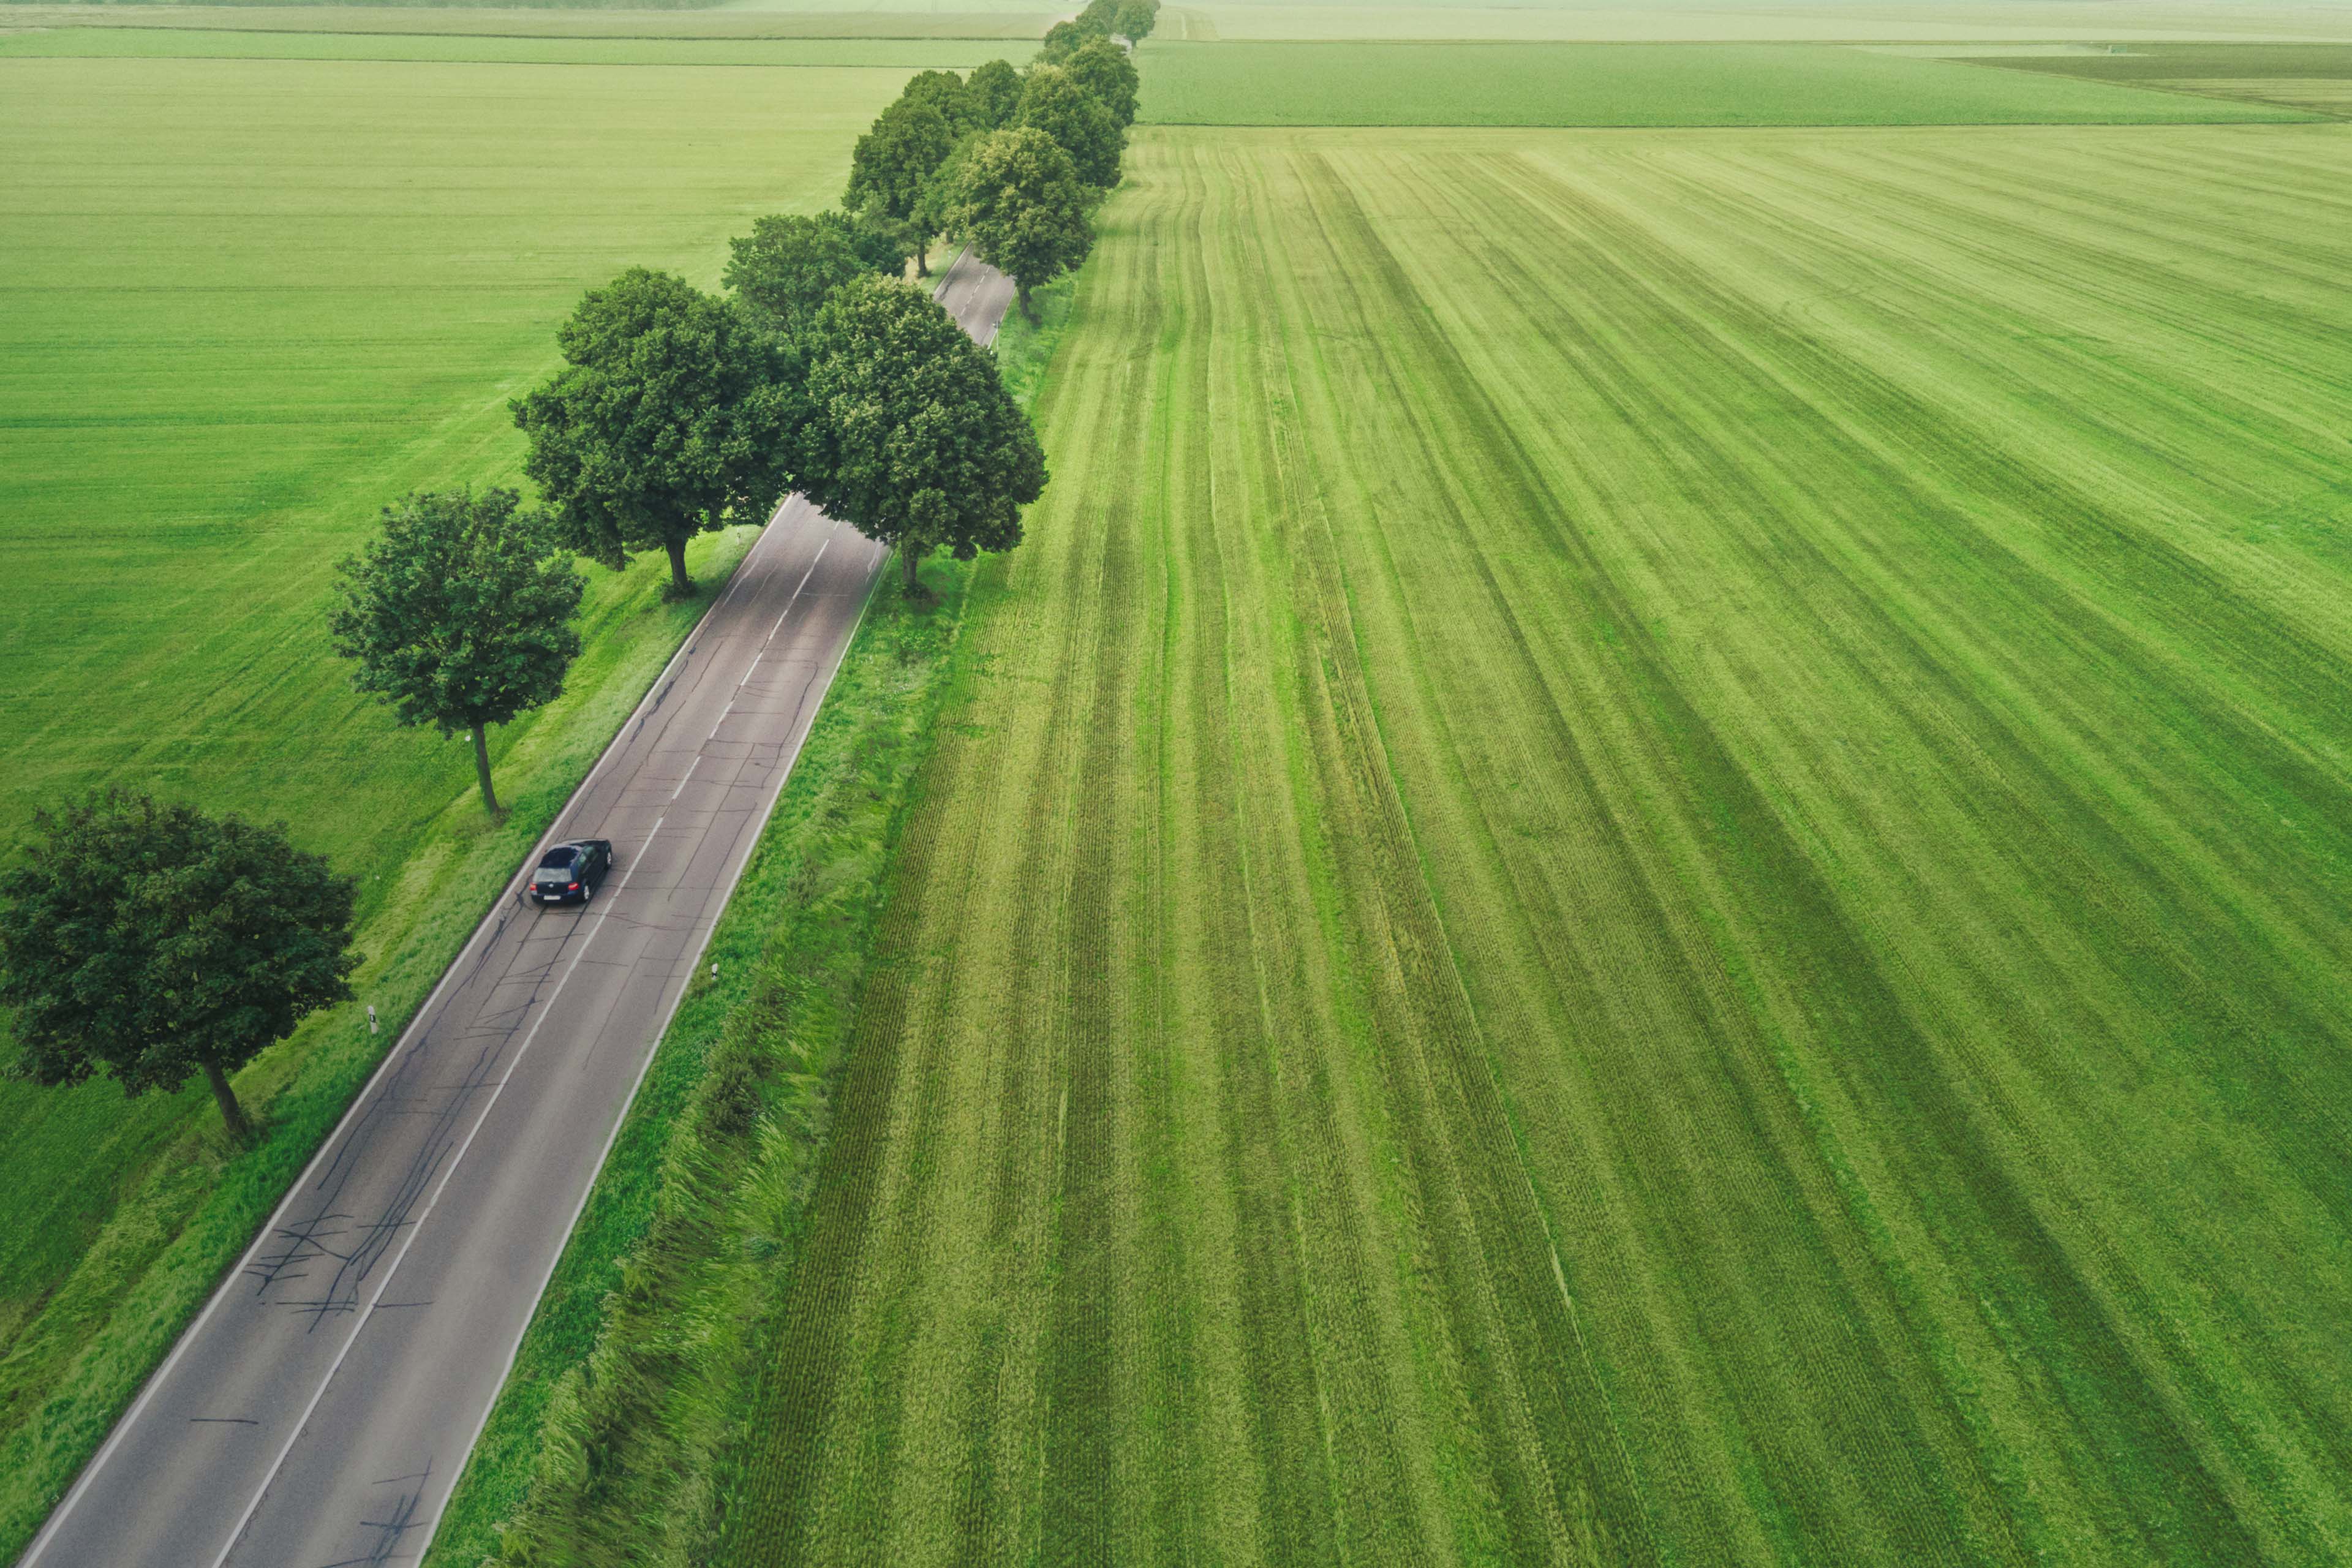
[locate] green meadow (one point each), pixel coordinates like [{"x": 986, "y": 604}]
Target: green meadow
[
  {"x": 910, "y": 54},
  {"x": 1651, "y": 861},
  {"x": 1630, "y": 84},
  {"x": 244, "y": 304}
]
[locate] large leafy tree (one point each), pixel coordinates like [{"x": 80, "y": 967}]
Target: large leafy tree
[
  {"x": 155, "y": 942},
  {"x": 786, "y": 266},
  {"x": 672, "y": 416},
  {"x": 1024, "y": 208},
  {"x": 893, "y": 162},
  {"x": 994, "y": 92},
  {"x": 1103, "y": 68},
  {"x": 946, "y": 93},
  {"x": 1063, "y": 40},
  {"x": 913, "y": 439},
  {"x": 1053, "y": 101},
  {"x": 1135, "y": 18},
  {"x": 460, "y": 614}
]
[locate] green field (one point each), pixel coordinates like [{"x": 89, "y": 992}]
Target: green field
[
  {"x": 242, "y": 304},
  {"x": 542, "y": 22},
  {"x": 1830, "y": 21},
  {"x": 1650, "y": 861},
  {"x": 114, "y": 43},
  {"x": 1630, "y": 84}
]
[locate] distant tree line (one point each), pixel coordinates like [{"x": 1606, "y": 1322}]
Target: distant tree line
[{"x": 156, "y": 943}]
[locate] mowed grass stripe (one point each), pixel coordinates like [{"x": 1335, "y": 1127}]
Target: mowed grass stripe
[{"x": 1722, "y": 707}]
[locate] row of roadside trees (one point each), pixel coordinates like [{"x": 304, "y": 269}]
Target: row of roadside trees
[
  {"x": 1014, "y": 162},
  {"x": 154, "y": 942}
]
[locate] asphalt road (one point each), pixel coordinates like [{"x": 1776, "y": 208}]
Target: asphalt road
[{"x": 319, "y": 1409}]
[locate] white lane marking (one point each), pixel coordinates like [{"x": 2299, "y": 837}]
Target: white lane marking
[
  {"x": 417, "y": 1225},
  {"x": 796, "y": 593},
  {"x": 688, "y": 774}
]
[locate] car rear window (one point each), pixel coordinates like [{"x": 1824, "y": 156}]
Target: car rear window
[{"x": 556, "y": 858}]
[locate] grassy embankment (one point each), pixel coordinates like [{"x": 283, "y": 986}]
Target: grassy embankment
[
  {"x": 248, "y": 303},
  {"x": 609, "y": 1441},
  {"x": 1632, "y": 85},
  {"x": 1650, "y": 861}
]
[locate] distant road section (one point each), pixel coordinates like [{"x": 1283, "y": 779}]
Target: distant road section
[{"x": 319, "y": 1410}]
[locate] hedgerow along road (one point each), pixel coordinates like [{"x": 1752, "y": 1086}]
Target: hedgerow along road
[{"x": 322, "y": 1406}]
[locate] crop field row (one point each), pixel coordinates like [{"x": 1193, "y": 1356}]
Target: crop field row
[
  {"x": 1651, "y": 861},
  {"x": 1632, "y": 85}
]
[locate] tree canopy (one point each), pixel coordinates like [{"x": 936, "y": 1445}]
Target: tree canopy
[
  {"x": 786, "y": 266},
  {"x": 1103, "y": 68},
  {"x": 946, "y": 93},
  {"x": 1135, "y": 18},
  {"x": 154, "y": 942},
  {"x": 1053, "y": 101},
  {"x": 913, "y": 439},
  {"x": 1062, "y": 40},
  {"x": 892, "y": 165},
  {"x": 672, "y": 416},
  {"x": 460, "y": 614},
  {"x": 994, "y": 92},
  {"x": 1024, "y": 209}
]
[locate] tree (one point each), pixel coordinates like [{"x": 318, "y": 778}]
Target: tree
[
  {"x": 913, "y": 439},
  {"x": 1053, "y": 101},
  {"x": 1136, "y": 18},
  {"x": 786, "y": 266},
  {"x": 1103, "y": 68},
  {"x": 459, "y": 614},
  {"x": 994, "y": 91},
  {"x": 947, "y": 93},
  {"x": 1062, "y": 40},
  {"x": 674, "y": 416},
  {"x": 1024, "y": 209},
  {"x": 155, "y": 942},
  {"x": 891, "y": 162}
]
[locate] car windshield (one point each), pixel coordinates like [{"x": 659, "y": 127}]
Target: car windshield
[{"x": 559, "y": 859}]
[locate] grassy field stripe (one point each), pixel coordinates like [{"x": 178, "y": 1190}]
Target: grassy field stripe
[{"x": 2189, "y": 1494}]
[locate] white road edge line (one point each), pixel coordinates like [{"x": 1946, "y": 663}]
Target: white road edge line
[
  {"x": 482, "y": 931},
  {"x": 415, "y": 1225}
]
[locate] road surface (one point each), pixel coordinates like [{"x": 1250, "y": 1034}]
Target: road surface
[{"x": 319, "y": 1409}]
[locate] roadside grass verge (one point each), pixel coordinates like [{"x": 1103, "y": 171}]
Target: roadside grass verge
[
  {"x": 1633, "y": 84},
  {"x": 612, "y": 1438},
  {"x": 1651, "y": 861}
]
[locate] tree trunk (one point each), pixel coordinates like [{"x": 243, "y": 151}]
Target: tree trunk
[
  {"x": 482, "y": 770},
  {"x": 923, "y": 255},
  {"x": 231, "y": 1111},
  {"x": 910, "y": 559},
  {"x": 680, "y": 585},
  {"x": 1021, "y": 290}
]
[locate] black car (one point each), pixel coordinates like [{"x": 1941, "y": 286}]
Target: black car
[{"x": 568, "y": 872}]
